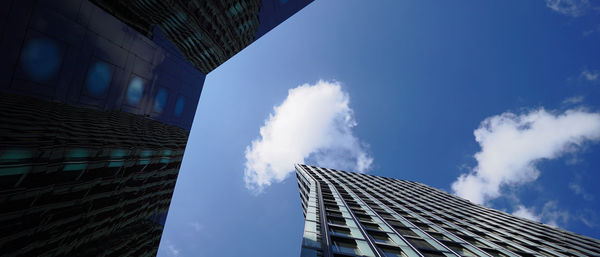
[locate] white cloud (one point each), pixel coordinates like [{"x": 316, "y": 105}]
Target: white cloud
[
  {"x": 592, "y": 30},
  {"x": 574, "y": 8},
  {"x": 579, "y": 190},
  {"x": 550, "y": 214},
  {"x": 512, "y": 145},
  {"x": 590, "y": 75},
  {"x": 573, "y": 100},
  {"x": 526, "y": 213},
  {"x": 315, "y": 123},
  {"x": 196, "y": 226},
  {"x": 171, "y": 250},
  {"x": 588, "y": 217}
]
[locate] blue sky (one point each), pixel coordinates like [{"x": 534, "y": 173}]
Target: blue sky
[{"x": 413, "y": 81}]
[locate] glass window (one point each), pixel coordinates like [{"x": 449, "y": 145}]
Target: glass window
[
  {"x": 134, "y": 91},
  {"x": 370, "y": 225},
  {"x": 438, "y": 236},
  {"x": 40, "y": 59},
  {"x": 391, "y": 251},
  {"x": 345, "y": 246},
  {"x": 432, "y": 254},
  {"x": 380, "y": 237},
  {"x": 494, "y": 253},
  {"x": 98, "y": 79},
  {"x": 160, "y": 100},
  {"x": 459, "y": 249},
  {"x": 179, "y": 106},
  {"x": 405, "y": 231},
  {"x": 311, "y": 240},
  {"x": 340, "y": 230},
  {"x": 336, "y": 220},
  {"x": 419, "y": 243},
  {"x": 364, "y": 248}
]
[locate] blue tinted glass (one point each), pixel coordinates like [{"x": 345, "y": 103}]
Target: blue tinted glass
[
  {"x": 118, "y": 153},
  {"x": 40, "y": 59},
  {"x": 98, "y": 79},
  {"x": 15, "y": 155},
  {"x": 146, "y": 153},
  {"x": 14, "y": 170},
  {"x": 134, "y": 91},
  {"x": 179, "y": 106},
  {"x": 77, "y": 153},
  {"x": 160, "y": 100},
  {"x": 74, "y": 166}
]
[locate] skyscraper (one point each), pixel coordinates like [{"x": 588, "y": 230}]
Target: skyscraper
[
  {"x": 97, "y": 100},
  {"x": 352, "y": 214}
]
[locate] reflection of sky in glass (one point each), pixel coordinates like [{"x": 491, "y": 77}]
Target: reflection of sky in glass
[
  {"x": 160, "y": 100},
  {"x": 134, "y": 91},
  {"x": 179, "y": 106},
  {"x": 98, "y": 79},
  {"x": 40, "y": 59}
]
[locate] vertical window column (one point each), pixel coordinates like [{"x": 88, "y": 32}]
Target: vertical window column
[
  {"x": 346, "y": 235},
  {"x": 312, "y": 238}
]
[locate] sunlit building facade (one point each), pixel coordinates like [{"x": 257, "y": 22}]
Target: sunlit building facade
[
  {"x": 353, "y": 214},
  {"x": 97, "y": 100}
]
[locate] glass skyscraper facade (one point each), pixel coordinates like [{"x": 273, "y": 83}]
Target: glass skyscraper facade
[
  {"x": 353, "y": 214},
  {"x": 97, "y": 100}
]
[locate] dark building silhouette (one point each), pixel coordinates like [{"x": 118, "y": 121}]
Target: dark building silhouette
[
  {"x": 353, "y": 214},
  {"x": 207, "y": 32},
  {"x": 97, "y": 99},
  {"x": 83, "y": 182}
]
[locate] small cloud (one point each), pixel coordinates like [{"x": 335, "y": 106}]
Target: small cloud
[
  {"x": 512, "y": 145},
  {"x": 573, "y": 8},
  {"x": 171, "y": 250},
  {"x": 552, "y": 216},
  {"x": 593, "y": 30},
  {"x": 526, "y": 213},
  {"x": 549, "y": 215},
  {"x": 196, "y": 226},
  {"x": 587, "y": 222},
  {"x": 579, "y": 190},
  {"x": 573, "y": 100},
  {"x": 588, "y": 217},
  {"x": 573, "y": 160},
  {"x": 313, "y": 123},
  {"x": 590, "y": 75}
]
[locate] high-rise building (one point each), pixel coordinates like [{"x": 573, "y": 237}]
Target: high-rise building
[
  {"x": 353, "y": 214},
  {"x": 97, "y": 100}
]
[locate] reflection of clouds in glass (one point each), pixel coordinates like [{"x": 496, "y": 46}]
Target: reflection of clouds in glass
[
  {"x": 179, "y": 106},
  {"x": 98, "y": 79},
  {"x": 134, "y": 91},
  {"x": 160, "y": 100},
  {"x": 40, "y": 59}
]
